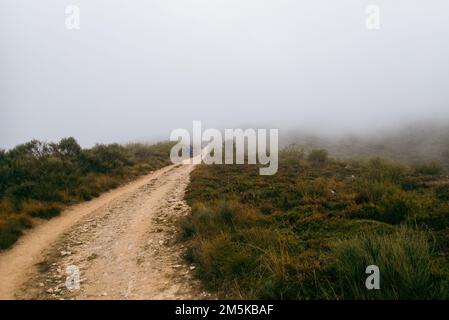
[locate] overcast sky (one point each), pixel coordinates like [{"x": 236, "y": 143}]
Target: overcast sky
[{"x": 138, "y": 69}]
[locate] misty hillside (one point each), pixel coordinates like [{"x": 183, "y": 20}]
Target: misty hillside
[{"x": 422, "y": 143}]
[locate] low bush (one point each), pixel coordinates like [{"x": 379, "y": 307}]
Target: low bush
[
  {"x": 442, "y": 192},
  {"x": 385, "y": 170},
  {"x": 46, "y": 213},
  {"x": 429, "y": 168},
  {"x": 11, "y": 228},
  {"x": 373, "y": 191},
  {"x": 39, "y": 178},
  {"x": 318, "y": 156},
  {"x": 260, "y": 237},
  {"x": 397, "y": 206},
  {"x": 405, "y": 261}
]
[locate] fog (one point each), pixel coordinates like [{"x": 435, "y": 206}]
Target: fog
[{"x": 138, "y": 69}]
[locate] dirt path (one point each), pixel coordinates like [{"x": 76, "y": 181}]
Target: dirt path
[{"x": 122, "y": 243}]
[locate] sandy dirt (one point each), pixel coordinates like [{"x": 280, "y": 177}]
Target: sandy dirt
[{"x": 123, "y": 244}]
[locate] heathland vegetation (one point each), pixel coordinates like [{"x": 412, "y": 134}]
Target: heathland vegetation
[
  {"x": 411, "y": 144},
  {"x": 310, "y": 231},
  {"x": 38, "y": 179}
]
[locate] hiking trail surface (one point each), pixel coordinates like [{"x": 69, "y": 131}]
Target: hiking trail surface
[{"x": 123, "y": 243}]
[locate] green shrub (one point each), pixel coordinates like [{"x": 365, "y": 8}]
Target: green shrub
[
  {"x": 429, "y": 168},
  {"x": 274, "y": 236},
  {"x": 219, "y": 217},
  {"x": 51, "y": 175},
  {"x": 223, "y": 260},
  {"x": 373, "y": 191},
  {"x": 318, "y": 156},
  {"x": 291, "y": 155},
  {"x": 436, "y": 220},
  {"x": 111, "y": 158},
  {"x": 397, "y": 206},
  {"x": 46, "y": 213},
  {"x": 405, "y": 262},
  {"x": 206, "y": 221},
  {"x": 385, "y": 170},
  {"x": 385, "y": 201},
  {"x": 318, "y": 187},
  {"x": 11, "y": 230},
  {"x": 443, "y": 192},
  {"x": 69, "y": 147}
]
